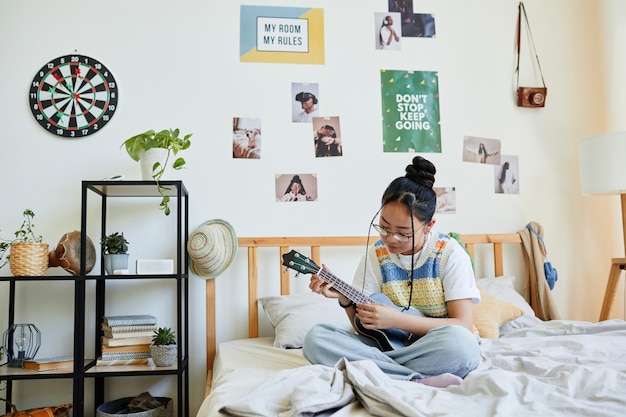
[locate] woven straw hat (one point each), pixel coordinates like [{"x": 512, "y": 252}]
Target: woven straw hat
[{"x": 212, "y": 248}]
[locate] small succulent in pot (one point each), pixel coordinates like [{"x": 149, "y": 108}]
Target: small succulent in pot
[
  {"x": 164, "y": 336},
  {"x": 163, "y": 349}
]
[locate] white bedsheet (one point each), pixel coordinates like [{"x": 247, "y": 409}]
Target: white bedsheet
[{"x": 557, "y": 368}]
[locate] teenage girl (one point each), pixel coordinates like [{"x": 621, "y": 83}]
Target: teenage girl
[{"x": 429, "y": 285}]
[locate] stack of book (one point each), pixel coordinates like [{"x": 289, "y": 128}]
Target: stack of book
[{"x": 126, "y": 339}]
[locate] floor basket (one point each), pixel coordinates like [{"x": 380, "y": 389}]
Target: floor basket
[
  {"x": 28, "y": 259},
  {"x": 113, "y": 408}
]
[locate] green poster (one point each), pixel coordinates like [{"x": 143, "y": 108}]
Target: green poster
[{"x": 410, "y": 105}]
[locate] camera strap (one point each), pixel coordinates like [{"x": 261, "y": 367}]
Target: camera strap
[{"x": 522, "y": 11}]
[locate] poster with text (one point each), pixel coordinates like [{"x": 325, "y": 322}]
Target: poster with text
[
  {"x": 410, "y": 107},
  {"x": 292, "y": 35}
]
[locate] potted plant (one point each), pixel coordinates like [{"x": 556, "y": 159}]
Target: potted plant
[
  {"x": 154, "y": 150},
  {"x": 163, "y": 349},
  {"x": 115, "y": 252},
  {"x": 26, "y": 254}
]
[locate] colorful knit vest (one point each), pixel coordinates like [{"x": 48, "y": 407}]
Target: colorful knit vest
[{"x": 428, "y": 296}]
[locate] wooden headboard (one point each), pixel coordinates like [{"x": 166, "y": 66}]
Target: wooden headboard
[{"x": 284, "y": 245}]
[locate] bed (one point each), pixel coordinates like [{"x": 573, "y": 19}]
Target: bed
[{"x": 530, "y": 366}]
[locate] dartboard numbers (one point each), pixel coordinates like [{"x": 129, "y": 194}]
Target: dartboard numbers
[{"x": 73, "y": 96}]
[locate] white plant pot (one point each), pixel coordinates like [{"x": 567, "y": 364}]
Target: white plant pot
[
  {"x": 164, "y": 355},
  {"x": 115, "y": 261},
  {"x": 148, "y": 158}
]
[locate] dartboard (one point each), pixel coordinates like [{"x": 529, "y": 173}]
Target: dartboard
[{"x": 73, "y": 96}]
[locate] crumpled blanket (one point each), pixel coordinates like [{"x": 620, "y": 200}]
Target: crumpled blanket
[
  {"x": 321, "y": 390},
  {"x": 296, "y": 392},
  {"x": 556, "y": 368}
]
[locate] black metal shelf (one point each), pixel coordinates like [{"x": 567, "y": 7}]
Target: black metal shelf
[{"x": 86, "y": 369}]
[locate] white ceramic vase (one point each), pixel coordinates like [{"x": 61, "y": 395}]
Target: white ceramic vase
[
  {"x": 115, "y": 262},
  {"x": 148, "y": 158}
]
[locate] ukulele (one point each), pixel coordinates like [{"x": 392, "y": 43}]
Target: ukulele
[{"x": 385, "y": 339}]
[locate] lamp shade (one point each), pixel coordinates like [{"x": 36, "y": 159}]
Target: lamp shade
[{"x": 602, "y": 164}]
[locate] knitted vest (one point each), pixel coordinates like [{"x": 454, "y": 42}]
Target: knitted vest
[{"x": 428, "y": 296}]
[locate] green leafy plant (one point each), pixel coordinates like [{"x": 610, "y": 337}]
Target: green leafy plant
[
  {"x": 24, "y": 234},
  {"x": 165, "y": 139},
  {"x": 115, "y": 243},
  {"x": 163, "y": 336}
]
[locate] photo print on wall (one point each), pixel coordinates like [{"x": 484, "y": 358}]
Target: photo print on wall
[
  {"x": 388, "y": 33},
  {"x": 446, "y": 199},
  {"x": 305, "y": 102},
  {"x": 296, "y": 187},
  {"x": 414, "y": 25},
  {"x": 506, "y": 175},
  {"x": 246, "y": 138},
  {"x": 327, "y": 136},
  {"x": 481, "y": 150},
  {"x": 410, "y": 110}
]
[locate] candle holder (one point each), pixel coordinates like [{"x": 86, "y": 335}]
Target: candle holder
[{"x": 21, "y": 342}]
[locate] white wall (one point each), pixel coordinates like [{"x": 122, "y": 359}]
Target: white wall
[{"x": 177, "y": 65}]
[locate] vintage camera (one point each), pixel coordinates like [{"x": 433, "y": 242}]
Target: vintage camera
[{"x": 531, "y": 96}]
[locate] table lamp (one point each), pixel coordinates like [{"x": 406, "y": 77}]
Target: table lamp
[
  {"x": 21, "y": 342},
  {"x": 603, "y": 171}
]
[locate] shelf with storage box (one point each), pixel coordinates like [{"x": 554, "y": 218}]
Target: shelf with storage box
[
  {"x": 87, "y": 369},
  {"x": 108, "y": 190}
]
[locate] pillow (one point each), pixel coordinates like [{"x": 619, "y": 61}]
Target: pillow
[
  {"x": 492, "y": 313},
  {"x": 292, "y": 316},
  {"x": 503, "y": 288}
]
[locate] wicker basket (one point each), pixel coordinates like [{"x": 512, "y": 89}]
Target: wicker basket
[{"x": 28, "y": 259}]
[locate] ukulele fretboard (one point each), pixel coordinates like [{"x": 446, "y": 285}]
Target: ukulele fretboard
[{"x": 343, "y": 287}]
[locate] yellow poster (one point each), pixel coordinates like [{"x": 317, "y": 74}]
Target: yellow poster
[{"x": 291, "y": 35}]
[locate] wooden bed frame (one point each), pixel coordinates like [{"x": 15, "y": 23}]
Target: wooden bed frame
[{"x": 284, "y": 245}]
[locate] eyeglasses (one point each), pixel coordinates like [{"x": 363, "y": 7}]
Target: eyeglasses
[{"x": 400, "y": 237}]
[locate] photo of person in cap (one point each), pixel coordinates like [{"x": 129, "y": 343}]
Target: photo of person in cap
[
  {"x": 295, "y": 190},
  {"x": 308, "y": 103}
]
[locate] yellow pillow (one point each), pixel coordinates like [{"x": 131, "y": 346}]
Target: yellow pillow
[{"x": 492, "y": 313}]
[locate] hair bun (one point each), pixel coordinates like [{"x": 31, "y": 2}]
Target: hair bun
[{"x": 421, "y": 171}]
